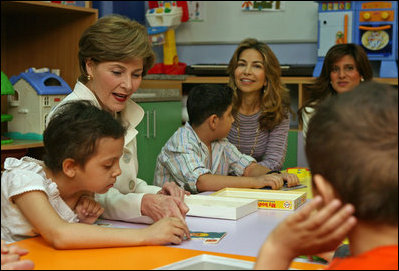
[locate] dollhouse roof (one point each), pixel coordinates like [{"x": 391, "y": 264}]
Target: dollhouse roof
[{"x": 44, "y": 83}]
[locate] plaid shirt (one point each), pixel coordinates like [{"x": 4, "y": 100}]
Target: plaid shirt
[{"x": 185, "y": 157}]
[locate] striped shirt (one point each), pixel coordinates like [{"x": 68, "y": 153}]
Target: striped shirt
[
  {"x": 185, "y": 157},
  {"x": 271, "y": 145}
]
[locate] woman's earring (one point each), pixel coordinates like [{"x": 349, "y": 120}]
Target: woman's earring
[
  {"x": 362, "y": 79},
  {"x": 89, "y": 77}
]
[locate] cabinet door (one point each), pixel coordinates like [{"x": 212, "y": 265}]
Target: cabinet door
[
  {"x": 292, "y": 150},
  {"x": 161, "y": 120},
  {"x": 332, "y": 27}
]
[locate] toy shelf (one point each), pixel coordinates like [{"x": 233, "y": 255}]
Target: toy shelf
[
  {"x": 40, "y": 34},
  {"x": 22, "y": 144},
  {"x": 19, "y": 148}
]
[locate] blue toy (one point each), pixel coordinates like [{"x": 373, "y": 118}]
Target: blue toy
[
  {"x": 36, "y": 93},
  {"x": 372, "y": 25}
]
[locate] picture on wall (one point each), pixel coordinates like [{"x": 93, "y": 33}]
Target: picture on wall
[
  {"x": 196, "y": 11},
  {"x": 262, "y": 5}
]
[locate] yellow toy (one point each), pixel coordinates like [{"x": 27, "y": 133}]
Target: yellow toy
[{"x": 168, "y": 15}]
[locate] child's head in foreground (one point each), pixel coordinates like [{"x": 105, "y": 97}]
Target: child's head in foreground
[
  {"x": 205, "y": 100},
  {"x": 78, "y": 131},
  {"x": 352, "y": 142}
]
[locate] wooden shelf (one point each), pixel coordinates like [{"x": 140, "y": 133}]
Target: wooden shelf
[
  {"x": 299, "y": 81},
  {"x": 154, "y": 83},
  {"x": 294, "y": 84},
  {"x": 21, "y": 7},
  {"x": 39, "y": 34},
  {"x": 20, "y": 148},
  {"x": 22, "y": 144}
]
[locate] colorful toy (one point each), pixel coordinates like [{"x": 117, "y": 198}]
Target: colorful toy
[
  {"x": 370, "y": 24},
  {"x": 376, "y": 30},
  {"x": 164, "y": 17},
  {"x": 335, "y": 26},
  {"x": 35, "y": 95},
  {"x": 6, "y": 89}
]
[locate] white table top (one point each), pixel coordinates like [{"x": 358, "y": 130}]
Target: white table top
[{"x": 244, "y": 236}]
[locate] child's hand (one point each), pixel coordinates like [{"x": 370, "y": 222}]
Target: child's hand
[
  {"x": 292, "y": 179},
  {"x": 168, "y": 230},
  {"x": 275, "y": 181},
  {"x": 10, "y": 258},
  {"x": 306, "y": 233},
  {"x": 88, "y": 210}
]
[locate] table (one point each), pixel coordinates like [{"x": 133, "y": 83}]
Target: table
[
  {"x": 245, "y": 236},
  {"x": 243, "y": 240}
]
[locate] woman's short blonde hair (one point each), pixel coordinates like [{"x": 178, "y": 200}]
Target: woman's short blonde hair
[{"x": 115, "y": 38}]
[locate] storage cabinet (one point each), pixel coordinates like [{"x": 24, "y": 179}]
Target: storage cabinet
[
  {"x": 40, "y": 34},
  {"x": 161, "y": 120}
]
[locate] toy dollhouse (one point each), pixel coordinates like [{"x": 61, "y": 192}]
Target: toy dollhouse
[{"x": 36, "y": 93}]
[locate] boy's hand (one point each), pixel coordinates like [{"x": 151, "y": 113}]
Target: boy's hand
[
  {"x": 88, "y": 210},
  {"x": 292, "y": 179},
  {"x": 168, "y": 230},
  {"x": 306, "y": 232},
  {"x": 275, "y": 181}
]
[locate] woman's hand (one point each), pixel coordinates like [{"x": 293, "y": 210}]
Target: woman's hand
[
  {"x": 171, "y": 189},
  {"x": 158, "y": 206}
]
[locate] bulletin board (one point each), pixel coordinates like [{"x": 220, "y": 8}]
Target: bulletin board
[{"x": 225, "y": 22}]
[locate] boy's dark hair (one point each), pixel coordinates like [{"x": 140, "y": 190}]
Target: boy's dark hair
[
  {"x": 205, "y": 100},
  {"x": 74, "y": 131},
  {"x": 352, "y": 141}
]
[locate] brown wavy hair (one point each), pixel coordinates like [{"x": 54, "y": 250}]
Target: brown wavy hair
[
  {"x": 114, "y": 38},
  {"x": 275, "y": 98},
  {"x": 321, "y": 88}
]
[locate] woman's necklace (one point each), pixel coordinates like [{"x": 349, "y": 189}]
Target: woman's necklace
[{"x": 256, "y": 137}]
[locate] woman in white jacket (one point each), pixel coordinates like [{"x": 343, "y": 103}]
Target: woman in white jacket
[{"x": 114, "y": 54}]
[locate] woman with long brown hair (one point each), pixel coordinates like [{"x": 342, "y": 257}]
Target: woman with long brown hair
[{"x": 261, "y": 104}]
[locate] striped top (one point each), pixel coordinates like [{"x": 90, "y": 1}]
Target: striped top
[
  {"x": 185, "y": 157},
  {"x": 271, "y": 145}
]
